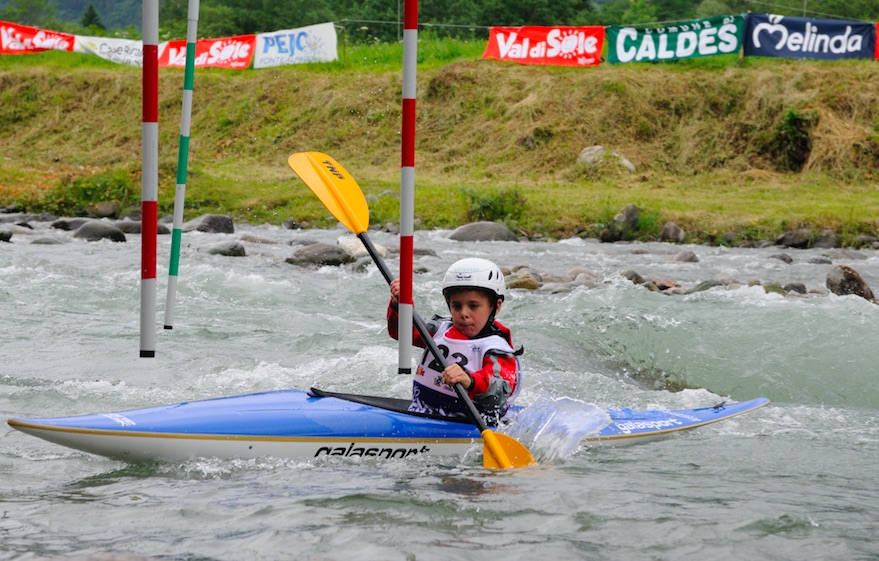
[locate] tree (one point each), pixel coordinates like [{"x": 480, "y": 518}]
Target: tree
[
  {"x": 91, "y": 19},
  {"x": 639, "y": 12},
  {"x": 37, "y": 13}
]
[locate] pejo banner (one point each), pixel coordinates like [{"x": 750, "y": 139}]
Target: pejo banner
[
  {"x": 792, "y": 37},
  {"x": 549, "y": 46},
  {"x": 235, "y": 53},
  {"x": 699, "y": 38},
  {"x": 314, "y": 43},
  {"x": 18, "y": 39}
]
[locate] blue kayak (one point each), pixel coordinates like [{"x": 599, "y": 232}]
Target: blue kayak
[{"x": 316, "y": 424}]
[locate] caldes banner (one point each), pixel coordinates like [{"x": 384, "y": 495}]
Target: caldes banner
[
  {"x": 17, "y": 39},
  {"x": 705, "y": 37},
  {"x": 229, "y": 52},
  {"x": 791, "y": 37},
  {"x": 551, "y": 46},
  {"x": 315, "y": 43}
]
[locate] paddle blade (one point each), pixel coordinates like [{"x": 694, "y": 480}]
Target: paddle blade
[
  {"x": 502, "y": 452},
  {"x": 334, "y": 186}
]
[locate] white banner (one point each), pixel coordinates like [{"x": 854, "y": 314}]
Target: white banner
[
  {"x": 315, "y": 43},
  {"x": 121, "y": 51}
]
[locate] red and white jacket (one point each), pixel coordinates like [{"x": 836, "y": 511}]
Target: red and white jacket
[{"x": 490, "y": 359}]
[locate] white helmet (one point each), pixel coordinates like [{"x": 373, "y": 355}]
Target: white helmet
[{"x": 474, "y": 272}]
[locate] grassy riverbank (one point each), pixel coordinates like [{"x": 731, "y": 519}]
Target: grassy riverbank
[{"x": 720, "y": 146}]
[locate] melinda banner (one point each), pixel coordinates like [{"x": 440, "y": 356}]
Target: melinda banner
[
  {"x": 228, "y": 52},
  {"x": 691, "y": 39},
  {"x": 791, "y": 37},
  {"x": 17, "y": 39},
  {"x": 315, "y": 43},
  {"x": 551, "y": 46}
]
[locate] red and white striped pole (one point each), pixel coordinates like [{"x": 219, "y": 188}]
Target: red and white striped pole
[
  {"x": 407, "y": 184},
  {"x": 149, "y": 190}
]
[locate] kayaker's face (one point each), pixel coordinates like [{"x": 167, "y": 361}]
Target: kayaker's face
[{"x": 470, "y": 311}]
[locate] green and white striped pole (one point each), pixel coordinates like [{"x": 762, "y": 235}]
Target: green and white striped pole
[{"x": 182, "y": 160}]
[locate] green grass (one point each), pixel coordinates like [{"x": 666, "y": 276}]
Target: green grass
[{"x": 724, "y": 148}]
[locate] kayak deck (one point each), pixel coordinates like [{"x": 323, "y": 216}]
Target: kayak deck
[{"x": 315, "y": 424}]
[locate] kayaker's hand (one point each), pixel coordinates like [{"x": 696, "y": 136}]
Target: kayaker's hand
[
  {"x": 395, "y": 291},
  {"x": 454, "y": 374}
]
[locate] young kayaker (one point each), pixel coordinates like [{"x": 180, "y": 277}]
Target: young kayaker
[{"x": 479, "y": 349}]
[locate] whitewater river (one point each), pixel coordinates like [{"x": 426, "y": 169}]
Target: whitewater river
[{"x": 796, "y": 479}]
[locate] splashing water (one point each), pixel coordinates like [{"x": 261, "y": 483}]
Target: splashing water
[{"x": 552, "y": 428}]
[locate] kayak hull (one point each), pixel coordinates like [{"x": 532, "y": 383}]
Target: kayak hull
[{"x": 312, "y": 425}]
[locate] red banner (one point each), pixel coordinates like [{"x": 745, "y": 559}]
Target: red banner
[
  {"x": 18, "y": 39},
  {"x": 549, "y": 46},
  {"x": 230, "y": 52}
]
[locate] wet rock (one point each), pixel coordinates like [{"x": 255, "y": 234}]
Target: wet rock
[
  {"x": 799, "y": 238},
  {"x": 211, "y": 223},
  {"x": 105, "y": 209},
  {"x": 842, "y": 280},
  {"x": 634, "y": 277},
  {"x": 827, "y": 239},
  {"x": 290, "y": 224},
  {"x": 355, "y": 248},
  {"x": 782, "y": 257},
  {"x": 864, "y": 240},
  {"x": 5, "y": 236},
  {"x": 483, "y": 232},
  {"x": 663, "y": 285},
  {"x": 228, "y": 249},
  {"x": 320, "y": 254},
  {"x": 625, "y": 222},
  {"x": 844, "y": 254},
  {"x": 774, "y": 288},
  {"x": 135, "y": 227},
  {"x": 46, "y": 241},
  {"x": 797, "y": 287},
  {"x": 69, "y": 224},
  {"x": 705, "y": 285},
  {"x": 95, "y": 230},
  {"x": 820, "y": 261},
  {"x": 671, "y": 232},
  {"x": 686, "y": 257},
  {"x": 522, "y": 278},
  {"x": 256, "y": 239}
]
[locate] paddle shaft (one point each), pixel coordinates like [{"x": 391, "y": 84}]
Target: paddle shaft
[{"x": 423, "y": 331}]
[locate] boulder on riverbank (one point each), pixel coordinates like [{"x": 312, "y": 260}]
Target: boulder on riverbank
[
  {"x": 483, "y": 232},
  {"x": 96, "y": 230}
]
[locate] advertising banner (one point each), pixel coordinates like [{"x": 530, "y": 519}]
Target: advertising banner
[
  {"x": 235, "y": 53},
  {"x": 18, "y": 39},
  {"x": 549, "y": 46},
  {"x": 121, "y": 51},
  {"x": 315, "y": 43},
  {"x": 706, "y": 37},
  {"x": 792, "y": 37}
]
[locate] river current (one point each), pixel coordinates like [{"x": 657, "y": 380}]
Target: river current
[{"x": 793, "y": 480}]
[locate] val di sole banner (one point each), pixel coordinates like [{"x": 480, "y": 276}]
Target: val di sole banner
[
  {"x": 691, "y": 39},
  {"x": 234, "y": 53},
  {"x": 19, "y": 39},
  {"x": 555, "y": 46},
  {"x": 792, "y": 37}
]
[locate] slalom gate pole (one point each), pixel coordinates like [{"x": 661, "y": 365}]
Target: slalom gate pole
[
  {"x": 149, "y": 190},
  {"x": 182, "y": 161},
  {"x": 407, "y": 185}
]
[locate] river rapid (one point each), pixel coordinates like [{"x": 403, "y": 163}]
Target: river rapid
[{"x": 793, "y": 480}]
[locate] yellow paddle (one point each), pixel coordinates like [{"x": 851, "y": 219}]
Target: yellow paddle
[{"x": 339, "y": 192}]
